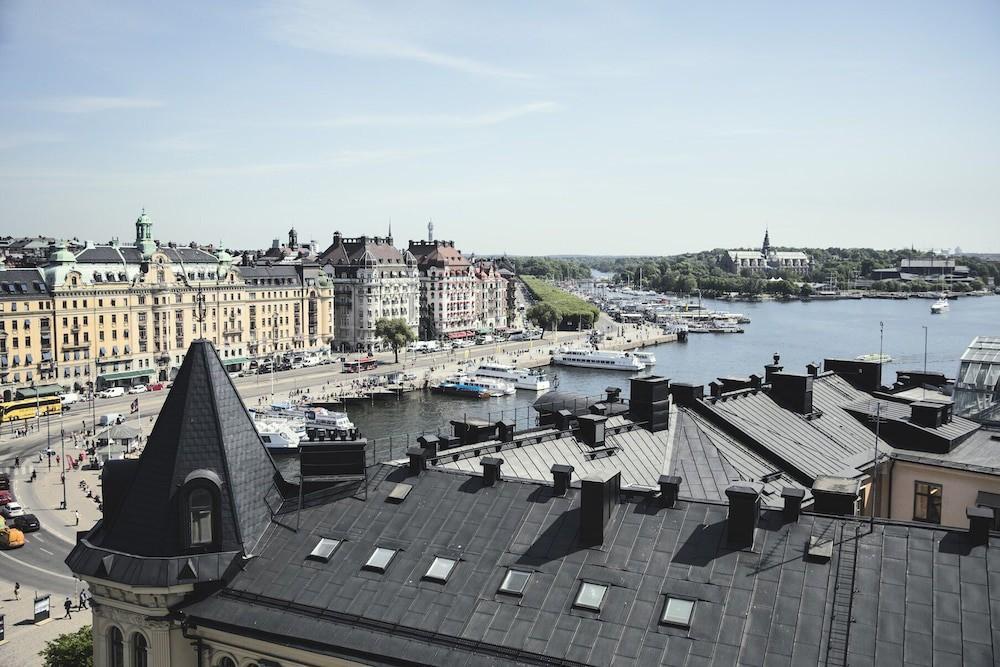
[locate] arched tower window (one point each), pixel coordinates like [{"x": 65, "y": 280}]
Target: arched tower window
[
  {"x": 226, "y": 662},
  {"x": 116, "y": 648},
  {"x": 200, "y": 514},
  {"x": 140, "y": 650}
]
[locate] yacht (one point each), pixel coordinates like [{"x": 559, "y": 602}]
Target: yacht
[
  {"x": 876, "y": 357},
  {"x": 277, "y": 435},
  {"x": 648, "y": 358},
  {"x": 522, "y": 378},
  {"x": 490, "y": 385},
  {"x": 458, "y": 389},
  {"x": 323, "y": 424},
  {"x": 610, "y": 360},
  {"x": 940, "y": 306}
]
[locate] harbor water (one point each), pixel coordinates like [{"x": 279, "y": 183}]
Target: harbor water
[{"x": 801, "y": 332}]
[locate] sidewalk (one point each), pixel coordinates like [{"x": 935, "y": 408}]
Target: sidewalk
[
  {"x": 24, "y": 639},
  {"x": 44, "y": 496}
]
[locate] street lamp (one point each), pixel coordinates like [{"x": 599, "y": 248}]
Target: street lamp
[{"x": 62, "y": 447}]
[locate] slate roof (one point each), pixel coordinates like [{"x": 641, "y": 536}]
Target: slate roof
[
  {"x": 202, "y": 425},
  {"x": 891, "y": 593},
  {"x": 956, "y": 429},
  {"x": 21, "y": 284},
  {"x": 359, "y": 250},
  {"x": 107, "y": 254}
]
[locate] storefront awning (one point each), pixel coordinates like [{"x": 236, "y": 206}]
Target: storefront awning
[
  {"x": 41, "y": 391},
  {"x": 126, "y": 375},
  {"x": 235, "y": 360},
  {"x": 460, "y": 334}
]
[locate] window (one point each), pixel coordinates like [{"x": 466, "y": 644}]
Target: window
[
  {"x": 380, "y": 559},
  {"x": 140, "y": 650},
  {"x": 440, "y": 569},
  {"x": 226, "y": 662},
  {"x": 116, "y": 648},
  {"x": 591, "y": 596},
  {"x": 677, "y": 611},
  {"x": 515, "y": 582},
  {"x": 927, "y": 502},
  {"x": 324, "y": 549},
  {"x": 200, "y": 507}
]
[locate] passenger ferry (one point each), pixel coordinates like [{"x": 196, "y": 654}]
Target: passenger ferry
[
  {"x": 648, "y": 358},
  {"x": 522, "y": 378},
  {"x": 459, "y": 389},
  {"x": 610, "y": 360},
  {"x": 492, "y": 386},
  {"x": 278, "y": 435},
  {"x": 323, "y": 424}
]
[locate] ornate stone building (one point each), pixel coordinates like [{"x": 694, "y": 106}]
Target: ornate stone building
[
  {"x": 26, "y": 331},
  {"x": 766, "y": 260}
]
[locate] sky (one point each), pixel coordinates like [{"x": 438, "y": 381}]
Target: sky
[{"x": 551, "y": 127}]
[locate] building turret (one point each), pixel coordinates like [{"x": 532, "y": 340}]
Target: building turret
[
  {"x": 293, "y": 239},
  {"x": 766, "y": 248},
  {"x": 144, "y": 236}
]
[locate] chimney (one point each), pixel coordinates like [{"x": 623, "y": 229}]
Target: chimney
[
  {"x": 771, "y": 369},
  {"x": 835, "y": 495},
  {"x": 599, "y": 409},
  {"x": 755, "y": 381},
  {"x": 863, "y": 375},
  {"x": 685, "y": 393},
  {"x": 793, "y": 502},
  {"x": 793, "y": 392},
  {"x": 614, "y": 394},
  {"x": 505, "y": 430},
  {"x": 669, "y": 486},
  {"x": 649, "y": 402},
  {"x": 599, "y": 494},
  {"x": 812, "y": 368},
  {"x": 930, "y": 414},
  {"x": 714, "y": 389},
  {"x": 418, "y": 459},
  {"x": 429, "y": 442},
  {"x": 562, "y": 474},
  {"x": 491, "y": 470},
  {"x": 744, "y": 511},
  {"x": 980, "y": 522},
  {"x": 564, "y": 420},
  {"x": 592, "y": 429}
]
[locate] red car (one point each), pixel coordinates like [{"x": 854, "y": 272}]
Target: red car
[
  {"x": 156, "y": 386},
  {"x": 6, "y": 497}
]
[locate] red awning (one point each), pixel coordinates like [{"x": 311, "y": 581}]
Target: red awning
[{"x": 460, "y": 334}]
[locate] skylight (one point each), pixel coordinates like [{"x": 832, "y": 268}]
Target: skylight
[
  {"x": 515, "y": 582},
  {"x": 324, "y": 549},
  {"x": 677, "y": 611},
  {"x": 591, "y": 596},
  {"x": 380, "y": 559},
  {"x": 441, "y": 569}
]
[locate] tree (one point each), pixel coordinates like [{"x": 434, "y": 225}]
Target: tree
[
  {"x": 543, "y": 315},
  {"x": 74, "y": 649},
  {"x": 686, "y": 284},
  {"x": 396, "y": 332}
]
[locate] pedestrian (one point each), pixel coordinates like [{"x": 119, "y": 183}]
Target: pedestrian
[
  {"x": 68, "y": 606},
  {"x": 17, "y": 590},
  {"x": 83, "y": 600},
  {"x": 76, "y": 515},
  {"x": 17, "y": 461}
]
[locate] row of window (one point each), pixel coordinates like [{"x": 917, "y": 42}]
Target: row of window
[{"x": 590, "y": 596}]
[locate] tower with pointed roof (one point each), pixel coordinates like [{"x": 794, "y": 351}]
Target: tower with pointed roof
[
  {"x": 766, "y": 248},
  {"x": 293, "y": 239}
]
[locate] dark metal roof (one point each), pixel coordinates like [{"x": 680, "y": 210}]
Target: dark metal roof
[
  {"x": 21, "y": 284},
  {"x": 913, "y": 592}
]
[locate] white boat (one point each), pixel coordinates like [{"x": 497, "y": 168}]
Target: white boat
[
  {"x": 940, "y": 306},
  {"x": 522, "y": 378},
  {"x": 647, "y": 358},
  {"x": 277, "y": 434},
  {"x": 323, "y": 424},
  {"x": 874, "y": 356},
  {"x": 609, "y": 360},
  {"x": 490, "y": 385}
]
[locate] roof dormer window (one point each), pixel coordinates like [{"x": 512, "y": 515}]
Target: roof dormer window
[{"x": 200, "y": 514}]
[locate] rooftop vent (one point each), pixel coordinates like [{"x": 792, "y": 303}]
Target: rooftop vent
[
  {"x": 614, "y": 394},
  {"x": 491, "y": 470},
  {"x": 835, "y": 495},
  {"x": 563, "y": 420},
  {"x": 418, "y": 459},
  {"x": 930, "y": 414},
  {"x": 599, "y": 495},
  {"x": 430, "y": 443},
  {"x": 592, "y": 429},
  {"x": 685, "y": 393},
  {"x": 793, "y": 497},
  {"x": 771, "y": 369},
  {"x": 980, "y": 522},
  {"x": 562, "y": 474},
  {"x": 744, "y": 512},
  {"x": 399, "y": 493},
  {"x": 505, "y": 430},
  {"x": 670, "y": 485}
]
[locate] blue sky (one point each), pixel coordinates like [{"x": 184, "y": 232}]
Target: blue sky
[{"x": 525, "y": 127}]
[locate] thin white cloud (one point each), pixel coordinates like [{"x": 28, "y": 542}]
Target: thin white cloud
[
  {"x": 176, "y": 144},
  {"x": 92, "y": 104},
  {"x": 367, "y": 31},
  {"x": 12, "y": 140},
  {"x": 440, "y": 120}
]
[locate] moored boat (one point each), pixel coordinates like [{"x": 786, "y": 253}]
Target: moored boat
[
  {"x": 609, "y": 360},
  {"x": 523, "y": 378}
]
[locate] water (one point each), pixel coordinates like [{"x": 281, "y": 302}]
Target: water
[{"x": 801, "y": 332}]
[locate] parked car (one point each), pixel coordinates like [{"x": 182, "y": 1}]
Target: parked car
[
  {"x": 6, "y": 496},
  {"x": 156, "y": 386},
  {"x": 111, "y": 392},
  {"x": 12, "y": 509},
  {"x": 26, "y": 523},
  {"x": 137, "y": 389},
  {"x": 70, "y": 397},
  {"x": 11, "y": 538},
  {"x": 4, "y": 481}
]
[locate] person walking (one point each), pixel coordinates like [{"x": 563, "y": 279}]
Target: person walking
[
  {"x": 76, "y": 515},
  {"x": 83, "y": 600},
  {"x": 17, "y": 590},
  {"x": 68, "y": 606}
]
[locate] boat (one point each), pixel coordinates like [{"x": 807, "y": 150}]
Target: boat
[
  {"x": 277, "y": 435},
  {"x": 323, "y": 424},
  {"x": 609, "y": 360},
  {"x": 522, "y": 378},
  {"x": 459, "y": 389},
  {"x": 874, "y": 356},
  {"x": 940, "y": 306},
  {"x": 647, "y": 358},
  {"x": 493, "y": 386}
]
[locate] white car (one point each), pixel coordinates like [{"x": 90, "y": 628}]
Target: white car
[
  {"x": 13, "y": 509},
  {"x": 137, "y": 389},
  {"x": 111, "y": 392},
  {"x": 70, "y": 398}
]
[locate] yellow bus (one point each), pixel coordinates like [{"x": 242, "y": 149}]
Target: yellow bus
[{"x": 27, "y": 408}]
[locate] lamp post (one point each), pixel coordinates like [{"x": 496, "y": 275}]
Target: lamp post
[{"x": 62, "y": 447}]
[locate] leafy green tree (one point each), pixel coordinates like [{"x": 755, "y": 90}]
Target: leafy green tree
[
  {"x": 686, "y": 284},
  {"x": 74, "y": 649},
  {"x": 396, "y": 332},
  {"x": 806, "y": 290},
  {"x": 543, "y": 315}
]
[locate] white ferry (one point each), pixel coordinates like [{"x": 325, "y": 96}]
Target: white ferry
[
  {"x": 610, "y": 360},
  {"x": 491, "y": 386},
  {"x": 940, "y": 306},
  {"x": 522, "y": 378},
  {"x": 323, "y": 424},
  {"x": 277, "y": 434},
  {"x": 648, "y": 358}
]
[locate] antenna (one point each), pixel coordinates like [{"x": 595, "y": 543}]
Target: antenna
[{"x": 878, "y": 422}]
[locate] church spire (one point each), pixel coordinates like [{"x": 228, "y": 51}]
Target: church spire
[{"x": 766, "y": 248}]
